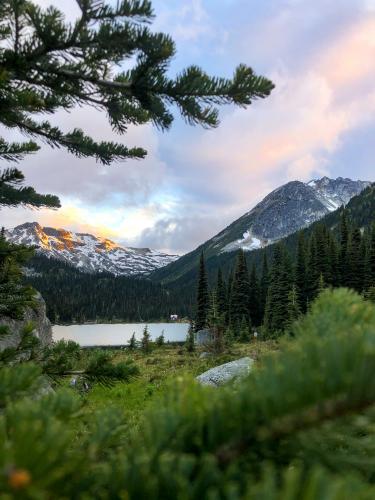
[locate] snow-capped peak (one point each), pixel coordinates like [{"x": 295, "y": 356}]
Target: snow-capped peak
[
  {"x": 287, "y": 209},
  {"x": 88, "y": 252}
]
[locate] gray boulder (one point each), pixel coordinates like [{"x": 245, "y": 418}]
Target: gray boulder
[
  {"x": 203, "y": 337},
  {"x": 43, "y": 328},
  {"x": 224, "y": 373}
]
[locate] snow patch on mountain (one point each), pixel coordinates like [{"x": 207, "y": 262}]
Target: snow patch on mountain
[
  {"x": 288, "y": 208},
  {"x": 248, "y": 242},
  {"x": 88, "y": 252}
]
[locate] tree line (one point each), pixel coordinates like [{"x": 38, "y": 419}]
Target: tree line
[
  {"x": 74, "y": 296},
  {"x": 275, "y": 295}
]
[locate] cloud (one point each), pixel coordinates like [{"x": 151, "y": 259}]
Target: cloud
[
  {"x": 296, "y": 132},
  {"x": 185, "y": 21},
  {"x": 174, "y": 235},
  {"x": 194, "y": 182}
]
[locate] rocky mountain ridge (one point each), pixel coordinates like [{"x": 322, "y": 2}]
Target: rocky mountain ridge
[
  {"x": 287, "y": 209},
  {"x": 284, "y": 211},
  {"x": 88, "y": 252}
]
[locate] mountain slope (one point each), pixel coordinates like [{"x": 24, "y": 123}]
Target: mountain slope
[
  {"x": 291, "y": 207},
  {"x": 87, "y": 252}
]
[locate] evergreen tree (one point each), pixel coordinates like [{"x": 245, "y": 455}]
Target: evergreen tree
[
  {"x": 190, "y": 341},
  {"x": 264, "y": 283},
  {"x": 313, "y": 273},
  {"x": 293, "y": 307},
  {"x": 370, "y": 260},
  {"x": 202, "y": 297},
  {"x": 343, "y": 249},
  {"x": 301, "y": 272},
  {"x": 160, "y": 341},
  {"x": 48, "y": 64},
  {"x": 216, "y": 324},
  {"x": 323, "y": 261},
  {"x": 334, "y": 259},
  {"x": 355, "y": 266},
  {"x": 132, "y": 342},
  {"x": 321, "y": 284},
  {"x": 240, "y": 293},
  {"x": 229, "y": 336},
  {"x": 146, "y": 341},
  {"x": 281, "y": 282},
  {"x": 14, "y": 295},
  {"x": 254, "y": 301},
  {"x": 245, "y": 334},
  {"x": 221, "y": 295}
]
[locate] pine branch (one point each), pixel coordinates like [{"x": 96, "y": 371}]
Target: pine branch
[
  {"x": 290, "y": 425},
  {"x": 56, "y": 65},
  {"x": 13, "y": 194}
]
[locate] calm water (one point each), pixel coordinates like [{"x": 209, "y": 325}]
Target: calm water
[{"x": 119, "y": 333}]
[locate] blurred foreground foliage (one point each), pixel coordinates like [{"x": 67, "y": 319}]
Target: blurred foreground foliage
[{"x": 301, "y": 426}]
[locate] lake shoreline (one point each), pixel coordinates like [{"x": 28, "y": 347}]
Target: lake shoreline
[
  {"x": 118, "y": 335},
  {"x": 123, "y": 323}
]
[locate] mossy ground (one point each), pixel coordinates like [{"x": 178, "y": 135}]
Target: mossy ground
[{"x": 157, "y": 370}]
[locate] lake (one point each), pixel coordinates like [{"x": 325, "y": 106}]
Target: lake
[{"x": 118, "y": 333}]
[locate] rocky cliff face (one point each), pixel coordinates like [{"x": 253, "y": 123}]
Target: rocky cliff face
[
  {"x": 287, "y": 209},
  {"x": 43, "y": 328},
  {"x": 88, "y": 252}
]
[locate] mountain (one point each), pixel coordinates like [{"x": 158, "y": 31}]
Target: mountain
[
  {"x": 87, "y": 252},
  {"x": 284, "y": 211},
  {"x": 287, "y": 209},
  {"x": 75, "y": 296}
]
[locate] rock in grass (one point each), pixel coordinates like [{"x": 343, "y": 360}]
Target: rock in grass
[{"x": 224, "y": 373}]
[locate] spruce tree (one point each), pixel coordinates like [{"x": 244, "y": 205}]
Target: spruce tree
[
  {"x": 245, "y": 334},
  {"x": 355, "y": 266},
  {"x": 14, "y": 295},
  {"x": 343, "y": 249},
  {"x": 301, "y": 272},
  {"x": 370, "y": 260},
  {"x": 132, "y": 342},
  {"x": 313, "y": 272},
  {"x": 190, "y": 341},
  {"x": 323, "y": 261},
  {"x": 202, "y": 302},
  {"x": 229, "y": 336},
  {"x": 254, "y": 294},
  {"x": 146, "y": 341},
  {"x": 293, "y": 307},
  {"x": 221, "y": 295},
  {"x": 264, "y": 283},
  {"x": 240, "y": 294},
  {"x": 160, "y": 341},
  {"x": 281, "y": 283},
  {"x": 321, "y": 284},
  {"x": 334, "y": 262},
  {"x": 216, "y": 324}
]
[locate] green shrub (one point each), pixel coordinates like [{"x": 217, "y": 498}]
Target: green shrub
[
  {"x": 301, "y": 426},
  {"x": 100, "y": 366}
]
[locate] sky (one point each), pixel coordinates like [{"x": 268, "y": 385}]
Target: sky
[{"x": 319, "y": 120}]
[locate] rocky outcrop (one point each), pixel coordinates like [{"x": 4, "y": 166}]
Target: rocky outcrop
[
  {"x": 225, "y": 373},
  {"x": 43, "y": 328}
]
